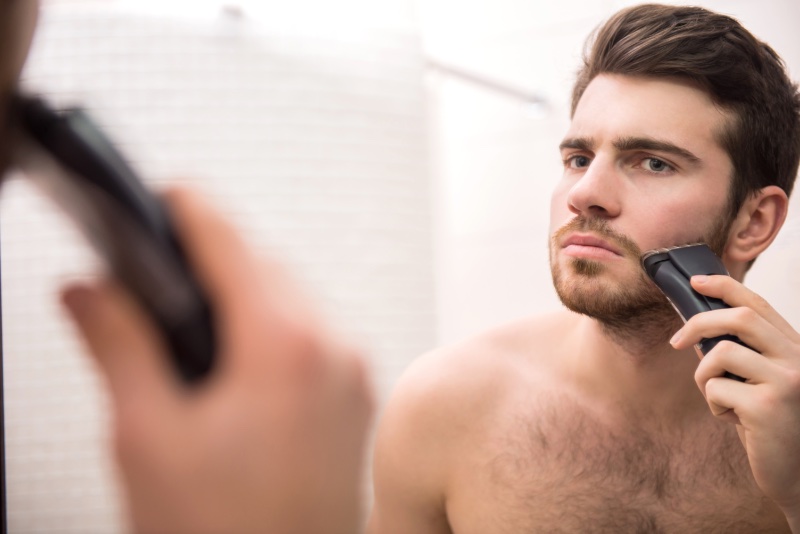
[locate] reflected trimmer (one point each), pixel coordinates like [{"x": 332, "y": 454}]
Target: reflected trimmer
[{"x": 672, "y": 268}]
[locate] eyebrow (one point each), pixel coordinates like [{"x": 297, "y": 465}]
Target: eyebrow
[
  {"x": 631, "y": 143},
  {"x": 578, "y": 143},
  {"x": 647, "y": 143}
]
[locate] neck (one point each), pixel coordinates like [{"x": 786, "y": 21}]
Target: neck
[
  {"x": 642, "y": 337},
  {"x": 636, "y": 370}
]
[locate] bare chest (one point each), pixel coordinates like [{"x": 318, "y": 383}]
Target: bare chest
[{"x": 565, "y": 472}]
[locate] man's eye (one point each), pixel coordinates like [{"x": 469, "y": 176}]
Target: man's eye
[
  {"x": 656, "y": 165},
  {"x": 578, "y": 162}
]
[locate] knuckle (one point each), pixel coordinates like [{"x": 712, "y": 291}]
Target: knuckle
[
  {"x": 699, "y": 376},
  {"x": 724, "y": 348},
  {"x": 744, "y": 315},
  {"x": 711, "y": 390},
  {"x": 704, "y": 372},
  {"x": 766, "y": 401}
]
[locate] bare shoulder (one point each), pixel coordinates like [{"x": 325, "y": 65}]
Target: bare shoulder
[
  {"x": 467, "y": 378},
  {"x": 526, "y": 344},
  {"x": 440, "y": 405}
]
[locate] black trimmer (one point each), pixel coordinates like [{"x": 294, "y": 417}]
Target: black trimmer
[{"x": 672, "y": 268}]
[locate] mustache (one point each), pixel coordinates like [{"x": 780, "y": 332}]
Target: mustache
[{"x": 601, "y": 228}]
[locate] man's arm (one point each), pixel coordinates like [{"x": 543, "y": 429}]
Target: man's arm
[
  {"x": 272, "y": 441},
  {"x": 410, "y": 462},
  {"x": 765, "y": 408}
]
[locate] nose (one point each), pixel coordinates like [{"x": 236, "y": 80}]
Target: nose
[{"x": 596, "y": 192}]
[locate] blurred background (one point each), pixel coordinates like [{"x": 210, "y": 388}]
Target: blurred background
[{"x": 399, "y": 154}]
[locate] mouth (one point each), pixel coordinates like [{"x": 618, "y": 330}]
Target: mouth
[{"x": 589, "y": 247}]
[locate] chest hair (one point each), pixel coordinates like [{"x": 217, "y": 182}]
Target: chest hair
[{"x": 565, "y": 470}]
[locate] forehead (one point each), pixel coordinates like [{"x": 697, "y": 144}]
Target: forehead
[{"x": 616, "y": 106}]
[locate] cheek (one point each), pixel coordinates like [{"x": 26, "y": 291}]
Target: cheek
[{"x": 680, "y": 223}]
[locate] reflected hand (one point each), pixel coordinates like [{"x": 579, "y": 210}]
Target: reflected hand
[{"x": 766, "y": 407}]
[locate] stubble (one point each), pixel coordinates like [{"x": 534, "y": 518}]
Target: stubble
[{"x": 634, "y": 312}]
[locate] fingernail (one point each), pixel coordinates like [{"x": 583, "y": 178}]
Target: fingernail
[
  {"x": 700, "y": 279},
  {"x": 675, "y": 338}
]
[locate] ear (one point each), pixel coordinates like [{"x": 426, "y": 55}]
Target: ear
[{"x": 757, "y": 223}]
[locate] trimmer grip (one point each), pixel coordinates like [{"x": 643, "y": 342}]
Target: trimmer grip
[
  {"x": 126, "y": 223},
  {"x": 672, "y": 270}
]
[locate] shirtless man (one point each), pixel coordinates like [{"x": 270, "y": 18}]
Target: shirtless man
[{"x": 684, "y": 129}]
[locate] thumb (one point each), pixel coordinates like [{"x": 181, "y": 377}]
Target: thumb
[{"x": 124, "y": 344}]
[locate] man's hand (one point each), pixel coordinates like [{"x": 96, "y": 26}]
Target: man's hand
[
  {"x": 272, "y": 441},
  {"x": 766, "y": 407}
]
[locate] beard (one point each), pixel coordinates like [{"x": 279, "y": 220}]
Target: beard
[{"x": 630, "y": 309}]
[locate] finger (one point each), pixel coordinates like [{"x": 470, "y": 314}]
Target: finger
[
  {"x": 253, "y": 298},
  {"x": 737, "y": 295},
  {"x": 260, "y": 314},
  {"x": 744, "y": 323},
  {"x": 733, "y": 358},
  {"x": 124, "y": 344},
  {"x": 220, "y": 258},
  {"x": 725, "y": 397}
]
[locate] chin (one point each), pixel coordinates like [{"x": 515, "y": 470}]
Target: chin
[
  {"x": 588, "y": 287},
  {"x": 587, "y": 268}
]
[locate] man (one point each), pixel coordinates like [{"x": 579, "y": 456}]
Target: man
[
  {"x": 273, "y": 440},
  {"x": 684, "y": 128}
]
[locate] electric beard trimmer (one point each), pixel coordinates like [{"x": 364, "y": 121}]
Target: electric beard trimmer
[
  {"x": 672, "y": 268},
  {"x": 78, "y": 166}
]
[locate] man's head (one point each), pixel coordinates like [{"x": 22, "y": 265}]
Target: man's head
[
  {"x": 741, "y": 74},
  {"x": 684, "y": 128}
]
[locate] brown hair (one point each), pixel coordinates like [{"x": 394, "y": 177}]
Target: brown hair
[{"x": 740, "y": 73}]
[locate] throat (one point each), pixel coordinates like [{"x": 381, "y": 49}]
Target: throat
[
  {"x": 643, "y": 335},
  {"x": 633, "y": 366}
]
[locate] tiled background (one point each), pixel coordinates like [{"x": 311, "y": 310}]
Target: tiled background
[{"x": 415, "y": 204}]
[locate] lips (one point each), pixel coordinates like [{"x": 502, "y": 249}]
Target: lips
[{"x": 586, "y": 240}]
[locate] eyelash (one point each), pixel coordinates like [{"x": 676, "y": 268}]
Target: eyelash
[
  {"x": 568, "y": 160},
  {"x": 669, "y": 167}
]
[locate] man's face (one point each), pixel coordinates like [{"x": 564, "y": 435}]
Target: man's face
[{"x": 642, "y": 170}]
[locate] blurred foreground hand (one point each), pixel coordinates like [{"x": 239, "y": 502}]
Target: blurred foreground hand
[{"x": 272, "y": 441}]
